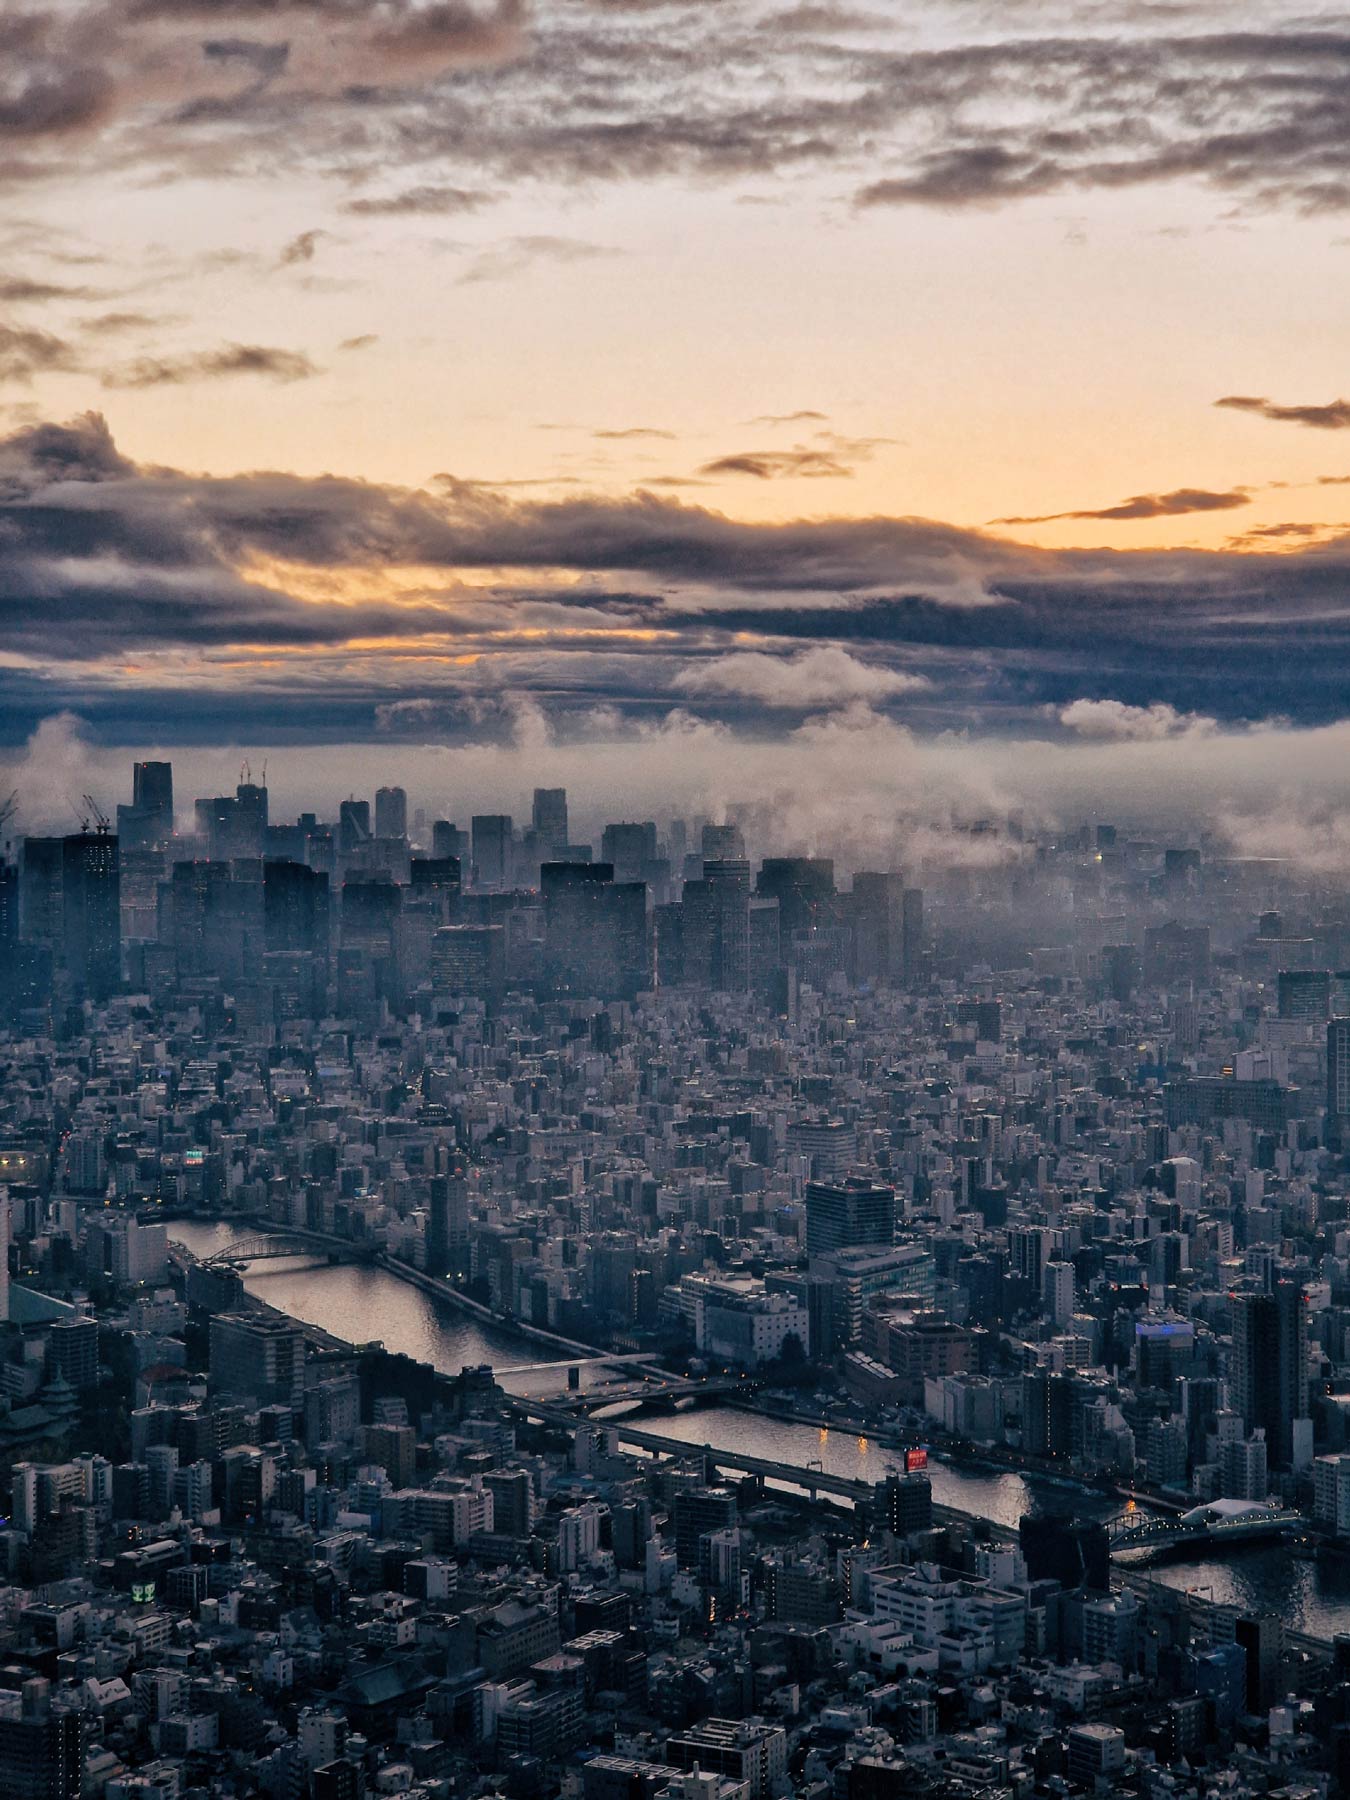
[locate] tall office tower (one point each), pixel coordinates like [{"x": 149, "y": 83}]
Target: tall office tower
[
  {"x": 848, "y": 1215},
  {"x": 1175, "y": 953},
  {"x": 631, "y": 849},
  {"x": 1338, "y": 1076},
  {"x": 40, "y": 886},
  {"x": 1269, "y": 1374},
  {"x": 877, "y": 907},
  {"x": 258, "y": 1358},
  {"x": 391, "y": 812},
  {"x": 804, "y": 888},
  {"x": 295, "y": 908},
  {"x": 549, "y": 819},
  {"x": 448, "y": 1226},
  {"x": 9, "y": 904},
  {"x": 434, "y": 882},
  {"x": 449, "y": 840},
  {"x": 716, "y": 927},
  {"x": 4, "y": 1254},
  {"x": 152, "y": 789},
  {"x": 250, "y": 799},
  {"x": 353, "y": 826},
  {"x": 911, "y": 934},
  {"x": 491, "y": 850},
  {"x": 597, "y": 940},
  {"x": 91, "y": 913},
  {"x": 1304, "y": 993},
  {"x": 41, "y": 1748},
  {"x": 722, "y": 843},
  {"x": 147, "y": 824}
]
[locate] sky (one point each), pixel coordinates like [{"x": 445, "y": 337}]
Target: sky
[{"x": 730, "y": 400}]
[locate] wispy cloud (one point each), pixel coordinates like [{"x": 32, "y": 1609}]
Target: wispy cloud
[
  {"x": 1332, "y": 415},
  {"x": 212, "y": 365}
]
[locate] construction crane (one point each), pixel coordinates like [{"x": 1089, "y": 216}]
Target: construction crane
[
  {"x": 7, "y": 812},
  {"x": 96, "y": 812}
]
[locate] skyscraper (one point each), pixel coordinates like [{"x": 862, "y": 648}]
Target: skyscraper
[
  {"x": 391, "y": 812},
  {"x": 1269, "y": 1374},
  {"x": 716, "y": 927},
  {"x": 152, "y": 788},
  {"x": 491, "y": 850},
  {"x": 549, "y": 818},
  {"x": 1338, "y": 1078},
  {"x": 91, "y": 909}
]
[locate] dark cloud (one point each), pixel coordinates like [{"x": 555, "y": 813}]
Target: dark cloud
[
  {"x": 773, "y": 465},
  {"x": 1333, "y": 416},
  {"x": 362, "y": 341},
  {"x": 576, "y": 93},
  {"x": 791, "y": 418},
  {"x": 425, "y": 201},
  {"x": 25, "y": 353},
  {"x": 110, "y": 323},
  {"x": 1149, "y": 506},
  {"x": 22, "y": 290},
  {"x": 634, "y": 431},
  {"x": 212, "y": 365},
  {"x": 301, "y": 248},
  {"x": 105, "y": 564}
]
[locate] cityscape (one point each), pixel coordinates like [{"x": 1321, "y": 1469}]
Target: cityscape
[
  {"x": 487, "y": 1311},
  {"x": 674, "y": 900}
]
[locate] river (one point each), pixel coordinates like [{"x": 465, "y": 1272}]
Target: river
[{"x": 359, "y": 1304}]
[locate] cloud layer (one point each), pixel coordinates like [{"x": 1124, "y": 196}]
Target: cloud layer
[{"x": 203, "y": 601}]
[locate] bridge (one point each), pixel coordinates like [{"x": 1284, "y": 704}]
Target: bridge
[
  {"x": 274, "y": 1246},
  {"x": 1212, "y": 1526},
  {"x": 811, "y": 1481}
]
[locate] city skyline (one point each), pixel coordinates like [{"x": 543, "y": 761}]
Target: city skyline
[{"x": 948, "y": 406}]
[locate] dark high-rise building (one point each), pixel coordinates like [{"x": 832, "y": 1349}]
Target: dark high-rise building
[
  {"x": 147, "y": 824},
  {"x": 1304, "y": 993},
  {"x": 630, "y": 848},
  {"x": 549, "y": 819},
  {"x": 877, "y": 906},
  {"x": 91, "y": 913},
  {"x": 722, "y": 843},
  {"x": 1269, "y": 1374},
  {"x": 1338, "y": 1076},
  {"x": 353, "y": 826},
  {"x": 848, "y": 1215},
  {"x": 596, "y": 936},
  {"x": 911, "y": 934},
  {"x": 295, "y": 907},
  {"x": 152, "y": 789},
  {"x": 491, "y": 850},
  {"x": 391, "y": 812},
  {"x": 698, "y": 1511},
  {"x": 449, "y": 841},
  {"x": 716, "y": 927},
  {"x": 803, "y": 886},
  {"x": 40, "y": 891},
  {"x": 9, "y": 904},
  {"x": 41, "y": 1750}
]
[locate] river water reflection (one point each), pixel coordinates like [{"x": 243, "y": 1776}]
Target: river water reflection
[{"x": 360, "y": 1304}]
